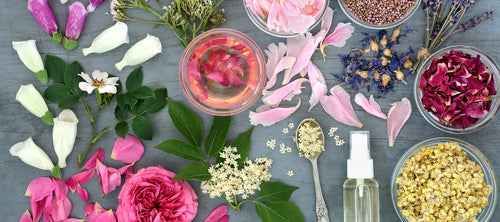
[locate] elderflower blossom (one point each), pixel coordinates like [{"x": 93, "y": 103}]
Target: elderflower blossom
[
  {"x": 291, "y": 125},
  {"x": 230, "y": 181},
  {"x": 284, "y": 130},
  {"x": 271, "y": 143},
  {"x": 311, "y": 142},
  {"x": 290, "y": 173}
]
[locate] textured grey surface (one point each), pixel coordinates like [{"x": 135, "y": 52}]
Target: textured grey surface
[{"x": 16, "y": 124}]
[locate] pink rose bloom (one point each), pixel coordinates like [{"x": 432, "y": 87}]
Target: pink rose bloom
[{"x": 152, "y": 195}]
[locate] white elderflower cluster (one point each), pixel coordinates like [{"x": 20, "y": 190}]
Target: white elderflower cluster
[
  {"x": 271, "y": 143},
  {"x": 311, "y": 141},
  {"x": 229, "y": 181},
  {"x": 284, "y": 130},
  {"x": 338, "y": 140}
]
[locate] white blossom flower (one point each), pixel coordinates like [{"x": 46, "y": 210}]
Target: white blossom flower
[
  {"x": 32, "y": 154},
  {"x": 31, "y": 99},
  {"x": 64, "y": 135},
  {"x": 100, "y": 81},
  {"x": 290, "y": 173},
  {"x": 109, "y": 39},
  {"x": 29, "y": 55}
]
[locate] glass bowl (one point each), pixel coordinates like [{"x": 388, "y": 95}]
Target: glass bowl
[
  {"x": 222, "y": 72},
  {"x": 262, "y": 23},
  {"x": 368, "y": 25},
  {"x": 472, "y": 153},
  {"x": 433, "y": 119}
]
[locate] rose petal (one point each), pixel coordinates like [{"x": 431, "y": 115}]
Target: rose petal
[
  {"x": 60, "y": 209},
  {"x": 311, "y": 43},
  {"x": 284, "y": 63},
  {"x": 233, "y": 79},
  {"x": 318, "y": 85},
  {"x": 127, "y": 150},
  {"x": 73, "y": 220},
  {"x": 339, "y": 106},
  {"x": 338, "y": 38},
  {"x": 127, "y": 169},
  {"x": 99, "y": 214},
  {"x": 224, "y": 218},
  {"x": 371, "y": 107},
  {"x": 60, "y": 189},
  {"x": 39, "y": 188},
  {"x": 399, "y": 113},
  {"x": 98, "y": 155},
  {"x": 83, "y": 177},
  {"x": 287, "y": 92},
  {"x": 89, "y": 209},
  {"x": 217, "y": 214},
  {"x": 271, "y": 116},
  {"x": 109, "y": 178},
  {"x": 82, "y": 193},
  {"x": 26, "y": 217}
]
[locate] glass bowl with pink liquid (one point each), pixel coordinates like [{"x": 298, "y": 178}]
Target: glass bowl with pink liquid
[{"x": 222, "y": 72}]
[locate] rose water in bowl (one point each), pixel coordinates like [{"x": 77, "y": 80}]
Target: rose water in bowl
[{"x": 222, "y": 72}]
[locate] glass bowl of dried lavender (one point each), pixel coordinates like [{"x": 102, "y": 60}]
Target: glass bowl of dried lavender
[
  {"x": 456, "y": 89},
  {"x": 379, "y": 14},
  {"x": 286, "y": 19}
]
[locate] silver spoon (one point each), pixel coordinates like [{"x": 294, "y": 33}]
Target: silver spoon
[{"x": 321, "y": 209}]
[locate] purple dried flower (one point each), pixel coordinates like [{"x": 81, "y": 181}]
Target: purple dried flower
[
  {"x": 93, "y": 4},
  {"x": 74, "y": 25},
  {"x": 45, "y": 18}
]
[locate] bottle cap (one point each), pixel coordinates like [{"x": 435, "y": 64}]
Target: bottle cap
[{"x": 360, "y": 163}]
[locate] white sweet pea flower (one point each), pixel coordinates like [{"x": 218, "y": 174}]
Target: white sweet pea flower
[
  {"x": 29, "y": 55},
  {"x": 31, "y": 99},
  {"x": 100, "y": 81},
  {"x": 32, "y": 154},
  {"x": 64, "y": 135},
  {"x": 140, "y": 52},
  {"x": 109, "y": 39}
]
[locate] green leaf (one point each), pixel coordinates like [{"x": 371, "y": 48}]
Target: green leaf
[
  {"x": 120, "y": 100},
  {"x": 120, "y": 114},
  {"x": 275, "y": 192},
  {"x": 48, "y": 118},
  {"x": 55, "y": 67},
  {"x": 214, "y": 142},
  {"x": 280, "y": 211},
  {"x": 243, "y": 144},
  {"x": 142, "y": 128},
  {"x": 193, "y": 171},
  {"x": 122, "y": 129},
  {"x": 71, "y": 78},
  {"x": 42, "y": 76},
  {"x": 156, "y": 104},
  {"x": 143, "y": 92},
  {"x": 181, "y": 149},
  {"x": 129, "y": 99},
  {"x": 56, "y": 92},
  {"x": 137, "y": 109},
  {"x": 188, "y": 123},
  {"x": 68, "y": 102},
  {"x": 134, "y": 79}
]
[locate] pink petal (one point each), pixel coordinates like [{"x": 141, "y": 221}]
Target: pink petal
[
  {"x": 218, "y": 77},
  {"x": 339, "y": 106},
  {"x": 127, "y": 150},
  {"x": 224, "y": 218},
  {"x": 127, "y": 169},
  {"x": 72, "y": 184},
  {"x": 318, "y": 85},
  {"x": 73, "y": 220},
  {"x": 60, "y": 209},
  {"x": 86, "y": 87},
  {"x": 46, "y": 205},
  {"x": 285, "y": 63},
  {"x": 326, "y": 22},
  {"x": 60, "y": 189},
  {"x": 399, "y": 113},
  {"x": 233, "y": 79},
  {"x": 217, "y": 214},
  {"x": 338, "y": 38},
  {"x": 287, "y": 92},
  {"x": 99, "y": 214},
  {"x": 304, "y": 57},
  {"x": 98, "y": 155},
  {"x": 300, "y": 23},
  {"x": 26, "y": 217},
  {"x": 47, "y": 217},
  {"x": 39, "y": 188},
  {"x": 274, "y": 54},
  {"x": 82, "y": 193},
  {"x": 271, "y": 116},
  {"x": 109, "y": 178},
  {"x": 371, "y": 107},
  {"x": 83, "y": 177}
]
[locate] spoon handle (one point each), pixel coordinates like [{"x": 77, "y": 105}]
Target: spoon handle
[{"x": 321, "y": 209}]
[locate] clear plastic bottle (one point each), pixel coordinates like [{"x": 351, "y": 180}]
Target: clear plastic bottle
[{"x": 361, "y": 201}]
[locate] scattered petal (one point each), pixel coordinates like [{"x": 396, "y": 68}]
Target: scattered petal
[
  {"x": 399, "y": 113},
  {"x": 285, "y": 63},
  {"x": 60, "y": 189},
  {"x": 303, "y": 58},
  {"x": 60, "y": 209},
  {"x": 371, "y": 107},
  {"x": 287, "y": 92},
  {"x": 26, "y": 217},
  {"x": 339, "y": 106},
  {"x": 127, "y": 150},
  {"x": 318, "y": 85},
  {"x": 98, "y": 155},
  {"x": 82, "y": 193},
  {"x": 338, "y": 38},
  {"x": 217, "y": 214},
  {"x": 89, "y": 209},
  {"x": 83, "y": 177},
  {"x": 127, "y": 169},
  {"x": 39, "y": 188},
  {"x": 272, "y": 116},
  {"x": 109, "y": 178}
]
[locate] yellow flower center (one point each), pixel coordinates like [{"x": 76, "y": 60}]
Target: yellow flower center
[{"x": 97, "y": 83}]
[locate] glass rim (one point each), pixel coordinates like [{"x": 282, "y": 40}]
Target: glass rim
[
  {"x": 398, "y": 22},
  {"x": 472, "y": 154},
  {"x": 432, "y": 118},
  {"x": 261, "y": 65}
]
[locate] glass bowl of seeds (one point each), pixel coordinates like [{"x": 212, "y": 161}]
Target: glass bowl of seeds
[
  {"x": 444, "y": 178},
  {"x": 379, "y": 14}
]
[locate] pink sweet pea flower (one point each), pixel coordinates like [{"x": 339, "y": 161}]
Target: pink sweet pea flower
[
  {"x": 371, "y": 106},
  {"x": 271, "y": 116},
  {"x": 218, "y": 214},
  {"x": 26, "y": 217},
  {"x": 287, "y": 92},
  {"x": 128, "y": 149},
  {"x": 98, "y": 155},
  {"x": 93, "y": 4},
  {"x": 399, "y": 113},
  {"x": 318, "y": 84},
  {"x": 45, "y": 18},
  {"x": 339, "y": 106},
  {"x": 109, "y": 178}
]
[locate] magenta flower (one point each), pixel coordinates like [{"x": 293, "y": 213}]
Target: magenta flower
[
  {"x": 93, "y": 4},
  {"x": 45, "y": 18},
  {"x": 127, "y": 150},
  {"x": 139, "y": 199},
  {"x": 74, "y": 25}
]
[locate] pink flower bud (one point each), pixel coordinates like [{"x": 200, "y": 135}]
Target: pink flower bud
[
  {"x": 93, "y": 4},
  {"x": 75, "y": 20},
  {"x": 43, "y": 15}
]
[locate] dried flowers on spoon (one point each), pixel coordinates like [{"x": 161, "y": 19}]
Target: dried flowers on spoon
[
  {"x": 375, "y": 65},
  {"x": 443, "y": 20}
]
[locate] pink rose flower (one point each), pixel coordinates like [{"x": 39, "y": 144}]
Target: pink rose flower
[{"x": 152, "y": 195}]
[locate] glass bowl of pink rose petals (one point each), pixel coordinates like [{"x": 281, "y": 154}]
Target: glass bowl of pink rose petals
[
  {"x": 285, "y": 19},
  {"x": 379, "y": 14},
  {"x": 222, "y": 72},
  {"x": 456, "y": 89}
]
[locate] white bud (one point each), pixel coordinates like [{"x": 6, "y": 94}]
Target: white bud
[
  {"x": 32, "y": 154},
  {"x": 31, "y": 99},
  {"x": 108, "y": 39},
  {"x": 29, "y": 55},
  {"x": 140, "y": 52},
  {"x": 64, "y": 135}
]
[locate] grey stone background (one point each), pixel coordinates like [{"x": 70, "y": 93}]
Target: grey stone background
[{"x": 17, "y": 124}]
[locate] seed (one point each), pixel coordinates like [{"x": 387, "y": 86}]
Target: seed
[{"x": 379, "y": 12}]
